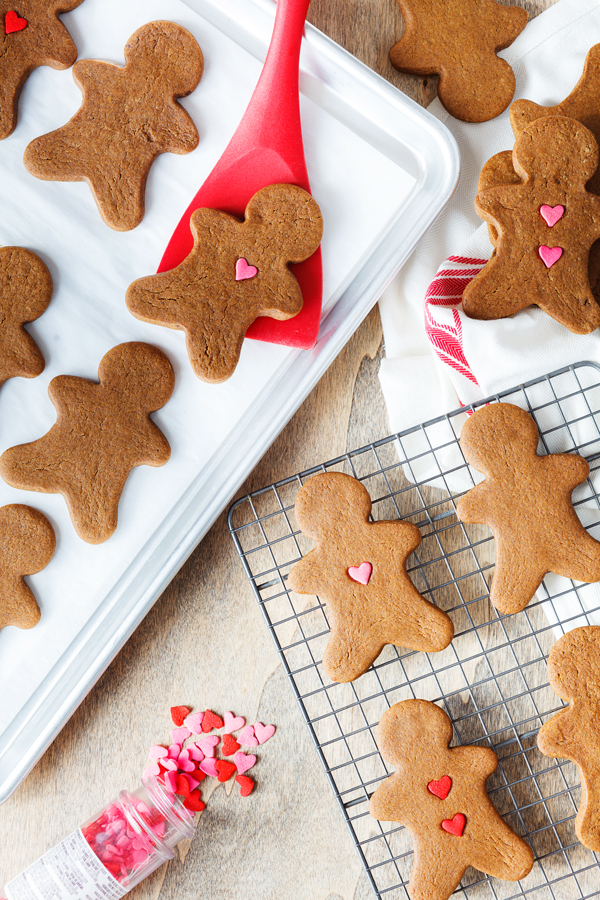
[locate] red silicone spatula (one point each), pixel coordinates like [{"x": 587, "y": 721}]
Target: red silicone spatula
[{"x": 265, "y": 149}]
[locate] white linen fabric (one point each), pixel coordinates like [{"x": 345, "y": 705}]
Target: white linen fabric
[{"x": 417, "y": 384}]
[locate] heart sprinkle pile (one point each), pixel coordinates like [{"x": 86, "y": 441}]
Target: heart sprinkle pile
[
  {"x": 180, "y": 767},
  {"x": 191, "y": 756}
]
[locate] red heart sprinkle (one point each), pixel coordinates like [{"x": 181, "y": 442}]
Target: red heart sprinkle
[
  {"x": 229, "y": 745},
  {"x": 440, "y": 788},
  {"x": 246, "y": 784},
  {"x": 193, "y": 801},
  {"x": 225, "y": 769},
  {"x": 198, "y": 774},
  {"x": 183, "y": 785},
  {"x": 178, "y": 714},
  {"x": 456, "y": 825},
  {"x": 211, "y": 720},
  {"x": 12, "y": 22}
]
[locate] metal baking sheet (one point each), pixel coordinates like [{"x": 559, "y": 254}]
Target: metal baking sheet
[{"x": 340, "y": 96}]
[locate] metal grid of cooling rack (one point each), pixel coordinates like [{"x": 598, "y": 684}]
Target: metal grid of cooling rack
[{"x": 491, "y": 680}]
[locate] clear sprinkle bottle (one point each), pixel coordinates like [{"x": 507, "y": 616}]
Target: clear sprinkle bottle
[{"x": 112, "y": 852}]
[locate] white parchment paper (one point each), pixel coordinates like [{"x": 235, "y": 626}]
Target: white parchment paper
[{"x": 358, "y": 190}]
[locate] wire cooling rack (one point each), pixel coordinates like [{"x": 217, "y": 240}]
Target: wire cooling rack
[{"x": 492, "y": 679}]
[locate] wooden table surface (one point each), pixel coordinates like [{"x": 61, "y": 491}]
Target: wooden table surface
[{"x": 205, "y": 644}]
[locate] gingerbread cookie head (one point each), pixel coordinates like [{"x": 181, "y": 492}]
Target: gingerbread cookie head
[
  {"x": 439, "y": 794},
  {"x": 459, "y": 39},
  {"x": 27, "y": 544},
  {"x": 324, "y": 502},
  {"x": 558, "y": 150},
  {"x": 31, "y": 35},
  {"x": 235, "y": 272},
  {"x": 498, "y": 435},
  {"x": 409, "y": 724},
  {"x": 129, "y": 116},
  {"x": 574, "y": 665},
  {"x": 166, "y": 55},
  {"x": 574, "y": 673},
  {"x": 146, "y": 387},
  {"x": 358, "y": 568},
  {"x": 545, "y": 227}
]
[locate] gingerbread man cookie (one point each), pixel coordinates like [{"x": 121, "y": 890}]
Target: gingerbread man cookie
[
  {"x": 458, "y": 40},
  {"x": 27, "y": 544},
  {"x": 31, "y": 35},
  {"x": 546, "y": 226},
  {"x": 581, "y": 104},
  {"x": 128, "y": 117},
  {"x": 102, "y": 431},
  {"x": 25, "y": 292},
  {"x": 236, "y": 272},
  {"x": 573, "y": 733},
  {"x": 526, "y": 500},
  {"x": 359, "y": 569},
  {"x": 439, "y": 794}
]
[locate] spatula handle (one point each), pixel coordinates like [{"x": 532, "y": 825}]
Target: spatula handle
[{"x": 275, "y": 102}]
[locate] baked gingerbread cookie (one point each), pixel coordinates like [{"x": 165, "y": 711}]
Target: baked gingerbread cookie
[
  {"x": 359, "y": 569},
  {"x": 458, "y": 40},
  {"x": 439, "y": 794},
  {"x": 102, "y": 431},
  {"x": 582, "y": 104},
  {"x": 25, "y": 292},
  {"x": 546, "y": 226},
  {"x": 235, "y": 272},
  {"x": 27, "y": 544},
  {"x": 129, "y": 116},
  {"x": 31, "y": 35},
  {"x": 526, "y": 500},
  {"x": 573, "y": 733}
]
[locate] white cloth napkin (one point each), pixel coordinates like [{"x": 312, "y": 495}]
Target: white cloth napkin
[
  {"x": 436, "y": 357},
  {"x": 418, "y": 383}
]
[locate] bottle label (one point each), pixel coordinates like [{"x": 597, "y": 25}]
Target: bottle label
[{"x": 71, "y": 871}]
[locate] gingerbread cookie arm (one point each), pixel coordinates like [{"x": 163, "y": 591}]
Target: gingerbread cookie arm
[{"x": 555, "y": 737}]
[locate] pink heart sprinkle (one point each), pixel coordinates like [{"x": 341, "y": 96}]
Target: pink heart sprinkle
[
  {"x": 551, "y": 214},
  {"x": 243, "y": 270},
  {"x": 170, "y": 764},
  {"x": 194, "y": 722},
  {"x": 550, "y": 255},
  {"x": 361, "y": 573},
  {"x": 243, "y": 761},
  {"x": 157, "y": 752},
  {"x": 208, "y": 744},
  {"x": 171, "y": 782},
  {"x": 193, "y": 782},
  {"x": 195, "y": 752},
  {"x": 186, "y": 765},
  {"x": 233, "y": 723},
  {"x": 179, "y": 735},
  {"x": 246, "y": 738},
  {"x": 209, "y": 767},
  {"x": 263, "y": 732},
  {"x": 151, "y": 770},
  {"x": 174, "y": 751}
]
